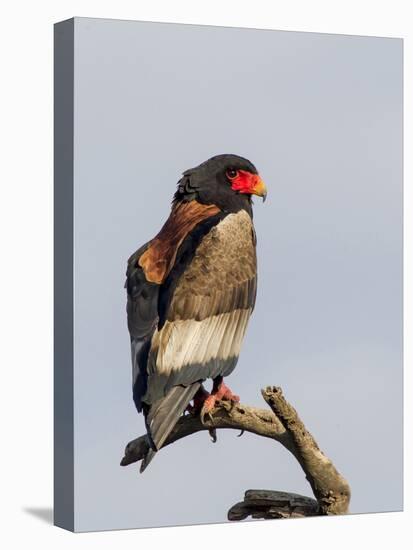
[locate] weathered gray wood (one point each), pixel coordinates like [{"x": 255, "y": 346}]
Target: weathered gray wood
[
  {"x": 263, "y": 504},
  {"x": 282, "y": 424},
  {"x": 329, "y": 487},
  {"x": 224, "y": 416}
]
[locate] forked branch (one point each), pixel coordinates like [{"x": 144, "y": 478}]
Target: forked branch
[{"x": 282, "y": 423}]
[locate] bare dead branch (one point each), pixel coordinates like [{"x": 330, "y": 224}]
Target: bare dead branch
[
  {"x": 329, "y": 487},
  {"x": 261, "y": 504},
  {"x": 283, "y": 425}
]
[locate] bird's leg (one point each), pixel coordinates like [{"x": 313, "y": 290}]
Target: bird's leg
[
  {"x": 199, "y": 399},
  {"x": 222, "y": 391},
  {"x": 219, "y": 391}
]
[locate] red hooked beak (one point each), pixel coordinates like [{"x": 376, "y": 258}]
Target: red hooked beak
[{"x": 248, "y": 183}]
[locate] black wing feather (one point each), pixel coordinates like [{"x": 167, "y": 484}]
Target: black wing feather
[{"x": 142, "y": 311}]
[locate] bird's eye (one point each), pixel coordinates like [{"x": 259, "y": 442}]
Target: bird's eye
[{"x": 231, "y": 173}]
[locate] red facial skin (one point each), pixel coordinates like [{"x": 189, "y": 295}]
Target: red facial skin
[{"x": 248, "y": 183}]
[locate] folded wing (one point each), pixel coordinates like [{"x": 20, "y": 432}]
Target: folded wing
[{"x": 203, "y": 304}]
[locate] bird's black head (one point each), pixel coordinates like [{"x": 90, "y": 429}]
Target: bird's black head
[{"x": 228, "y": 181}]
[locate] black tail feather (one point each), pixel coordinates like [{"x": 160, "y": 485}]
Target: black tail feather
[
  {"x": 148, "y": 458},
  {"x": 163, "y": 416}
]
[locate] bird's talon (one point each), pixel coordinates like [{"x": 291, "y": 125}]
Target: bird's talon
[
  {"x": 213, "y": 434},
  {"x": 204, "y": 414},
  {"x": 225, "y": 405}
]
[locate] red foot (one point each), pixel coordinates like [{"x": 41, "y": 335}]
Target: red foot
[{"x": 219, "y": 391}]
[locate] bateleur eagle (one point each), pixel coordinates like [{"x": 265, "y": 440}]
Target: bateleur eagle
[{"x": 190, "y": 293}]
